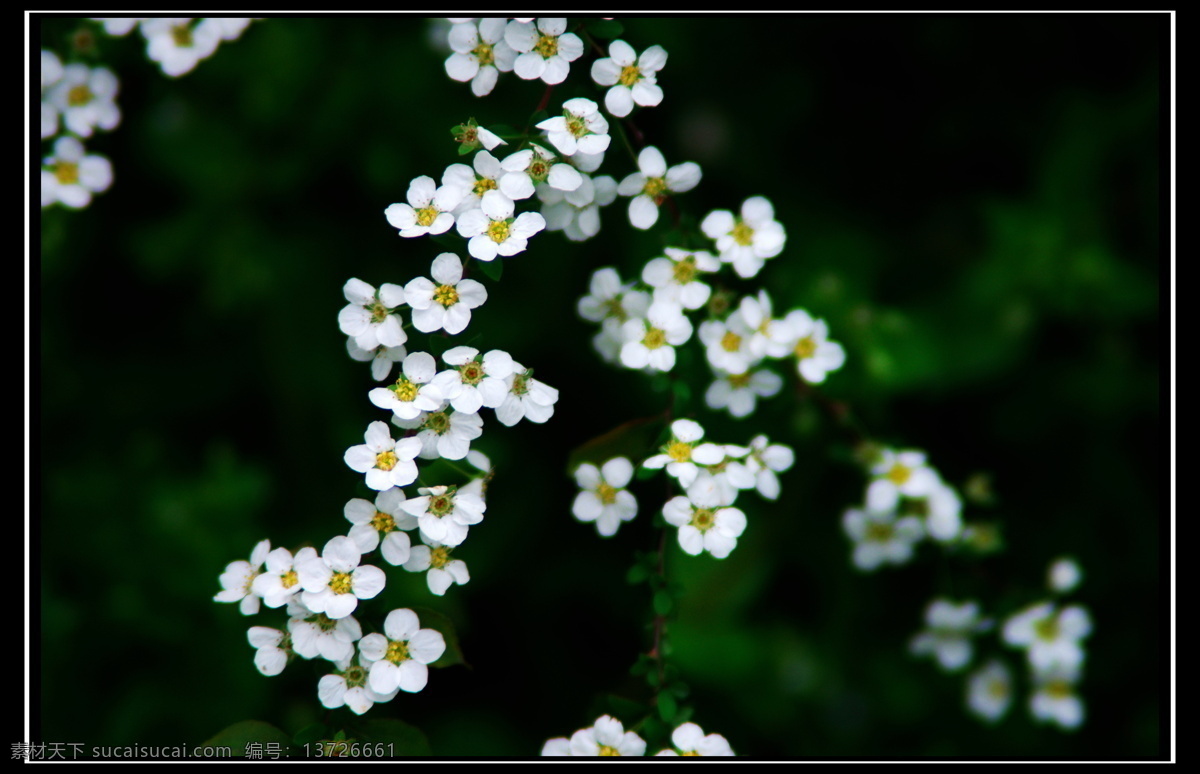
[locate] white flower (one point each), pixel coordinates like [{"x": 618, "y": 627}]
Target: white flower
[
  {"x": 119, "y": 26},
  {"x": 441, "y": 572},
  {"x": 675, "y": 276},
  {"x": 334, "y": 582},
  {"x": 681, "y": 453},
  {"x": 546, "y": 50},
  {"x": 52, "y": 73},
  {"x": 899, "y": 474},
  {"x": 86, "y": 99},
  {"x": 727, "y": 344},
  {"x": 1054, "y": 700},
  {"x": 476, "y": 180},
  {"x": 527, "y": 398},
  {"x": 71, "y": 177},
  {"x": 650, "y": 342},
  {"x": 444, "y": 513},
  {"x": 604, "y": 498},
  {"x": 447, "y": 304},
  {"x": 947, "y": 634},
  {"x": 349, "y": 687},
  {"x": 525, "y": 169},
  {"x": 881, "y": 538},
  {"x": 403, "y": 655},
  {"x": 689, "y": 740},
  {"x": 493, "y": 230},
  {"x": 272, "y": 649},
  {"x": 653, "y": 182},
  {"x": 747, "y": 240},
  {"x": 382, "y": 358},
  {"x": 559, "y": 747},
  {"x": 769, "y": 337},
  {"x": 381, "y": 525},
  {"x": 280, "y": 581},
  {"x": 580, "y": 128},
  {"x": 370, "y": 316},
  {"x": 474, "y": 381},
  {"x": 815, "y": 354},
  {"x": 607, "y": 738},
  {"x": 444, "y": 434},
  {"x": 480, "y": 54},
  {"x": 385, "y": 462},
  {"x": 739, "y": 393},
  {"x": 577, "y": 213},
  {"x": 1052, "y": 638},
  {"x": 609, "y": 299},
  {"x": 632, "y": 78},
  {"x": 1064, "y": 575},
  {"x": 472, "y": 135},
  {"x": 429, "y": 209},
  {"x": 989, "y": 691},
  {"x": 178, "y": 44},
  {"x": 763, "y": 460},
  {"x": 413, "y": 393},
  {"x": 316, "y": 634},
  {"x": 238, "y": 578},
  {"x": 711, "y": 529}
]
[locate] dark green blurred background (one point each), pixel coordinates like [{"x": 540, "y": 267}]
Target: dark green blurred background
[{"x": 973, "y": 202}]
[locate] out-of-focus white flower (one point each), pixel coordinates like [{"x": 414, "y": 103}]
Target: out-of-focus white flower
[
  {"x": 1064, "y": 575},
  {"x": 1052, "y": 639},
  {"x": 816, "y": 356},
  {"x": 748, "y": 239},
  {"x": 650, "y": 342},
  {"x": 675, "y": 276},
  {"x": 604, "y": 498},
  {"x": 880, "y": 538},
  {"x": 86, "y": 99},
  {"x": 178, "y": 44},
  {"x": 1054, "y": 699},
  {"x": 989, "y": 691},
  {"x": 683, "y": 451},
  {"x": 70, "y": 176},
  {"x": 947, "y": 633}
]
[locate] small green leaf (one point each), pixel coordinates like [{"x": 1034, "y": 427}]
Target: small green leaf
[
  {"x": 464, "y": 149},
  {"x": 432, "y": 619},
  {"x": 491, "y": 269},
  {"x": 667, "y": 707},
  {"x": 605, "y": 29},
  {"x": 401, "y": 738},
  {"x": 246, "y": 732},
  {"x": 663, "y": 603},
  {"x": 637, "y": 574}
]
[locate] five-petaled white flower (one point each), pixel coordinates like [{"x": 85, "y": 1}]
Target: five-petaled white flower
[
  {"x": 577, "y": 213},
  {"x": 580, "y": 128},
  {"x": 381, "y": 525},
  {"x": 482, "y": 176},
  {"x": 947, "y": 633},
  {"x": 444, "y": 513},
  {"x": 815, "y": 354},
  {"x": 316, "y": 634},
  {"x": 1054, "y": 699},
  {"x": 403, "y": 655},
  {"x": 370, "y": 316},
  {"x": 85, "y": 97},
  {"x": 545, "y": 50},
  {"x": 525, "y": 169},
  {"x": 899, "y": 474},
  {"x": 1064, "y": 575},
  {"x": 238, "y": 579},
  {"x": 761, "y": 464},
  {"x": 447, "y": 304},
  {"x": 480, "y": 54},
  {"x": 633, "y": 79},
  {"x": 385, "y": 462},
  {"x": 492, "y": 229},
  {"x": 651, "y": 184},
  {"x": 650, "y": 342},
  {"x": 748, "y": 239},
  {"x": 272, "y": 649},
  {"x": 349, "y": 687},
  {"x": 674, "y": 276},
  {"x": 681, "y": 454},
  {"x": 881, "y": 538},
  {"x": 381, "y": 358},
  {"x": 71, "y": 176},
  {"x": 413, "y": 393},
  {"x": 607, "y": 738},
  {"x": 280, "y": 581},
  {"x": 441, "y": 572},
  {"x": 334, "y": 582},
  {"x": 429, "y": 209},
  {"x": 178, "y": 44},
  {"x": 690, "y": 740},
  {"x": 604, "y": 498},
  {"x": 474, "y": 382},
  {"x": 1052, "y": 638},
  {"x": 989, "y": 691},
  {"x": 739, "y": 393},
  {"x": 527, "y": 398},
  {"x": 446, "y": 434}
]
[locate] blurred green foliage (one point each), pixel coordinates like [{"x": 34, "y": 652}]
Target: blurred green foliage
[{"x": 971, "y": 201}]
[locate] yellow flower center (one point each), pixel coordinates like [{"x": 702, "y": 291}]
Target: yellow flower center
[
  {"x": 441, "y": 505},
  {"x": 608, "y": 752},
  {"x": 386, "y": 460},
  {"x": 438, "y": 422},
  {"x": 498, "y": 231},
  {"x": 66, "y": 172},
  {"x": 742, "y": 234},
  {"x": 383, "y": 522},
  {"x": 471, "y": 373},
  {"x": 730, "y": 342},
  {"x": 690, "y": 754},
  {"x": 426, "y": 216},
  {"x": 684, "y": 270},
  {"x": 879, "y": 533},
  {"x": 576, "y": 125},
  {"x": 654, "y": 339},
  {"x": 483, "y": 54},
  {"x": 79, "y": 95},
  {"x": 289, "y": 579},
  {"x": 182, "y": 35},
  {"x": 805, "y": 347},
  {"x": 1047, "y": 628},
  {"x": 439, "y": 557},
  {"x": 1058, "y": 689},
  {"x": 445, "y": 295},
  {"x": 404, "y": 390},
  {"x": 547, "y": 46},
  {"x": 483, "y": 185},
  {"x": 629, "y": 75},
  {"x": 703, "y": 519},
  {"x": 379, "y": 312},
  {"x": 899, "y": 474},
  {"x": 607, "y": 493},
  {"x": 397, "y": 651},
  {"x": 539, "y": 169},
  {"x": 739, "y": 381},
  {"x": 656, "y": 189},
  {"x": 679, "y": 451},
  {"x": 341, "y": 583},
  {"x": 998, "y": 689},
  {"x": 356, "y": 677},
  {"x": 519, "y": 386}
]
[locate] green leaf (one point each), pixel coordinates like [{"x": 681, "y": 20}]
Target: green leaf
[
  {"x": 401, "y": 738},
  {"x": 605, "y": 29},
  {"x": 464, "y": 149},
  {"x": 432, "y": 619},
  {"x": 637, "y": 574},
  {"x": 492, "y": 269},
  {"x": 246, "y": 732},
  {"x": 663, "y": 603},
  {"x": 667, "y": 707}
]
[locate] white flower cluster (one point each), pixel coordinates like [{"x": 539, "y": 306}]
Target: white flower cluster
[
  {"x": 906, "y": 501},
  {"x": 608, "y": 738},
  {"x": 178, "y": 44},
  {"x": 80, "y": 100}
]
